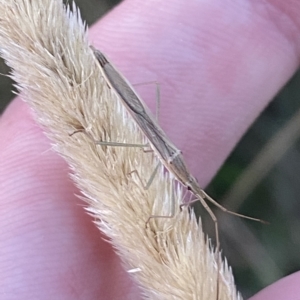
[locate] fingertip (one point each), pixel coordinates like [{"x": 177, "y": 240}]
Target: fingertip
[{"x": 287, "y": 288}]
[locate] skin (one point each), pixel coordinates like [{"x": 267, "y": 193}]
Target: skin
[{"x": 218, "y": 65}]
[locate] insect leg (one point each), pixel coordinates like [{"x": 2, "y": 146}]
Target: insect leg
[
  {"x": 113, "y": 144},
  {"x": 214, "y": 218},
  {"x": 149, "y": 182},
  {"x": 164, "y": 217},
  {"x": 210, "y": 199}
]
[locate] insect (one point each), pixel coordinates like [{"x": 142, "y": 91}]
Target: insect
[{"x": 170, "y": 156}]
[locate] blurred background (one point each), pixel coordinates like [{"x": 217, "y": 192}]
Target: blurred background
[{"x": 261, "y": 178}]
